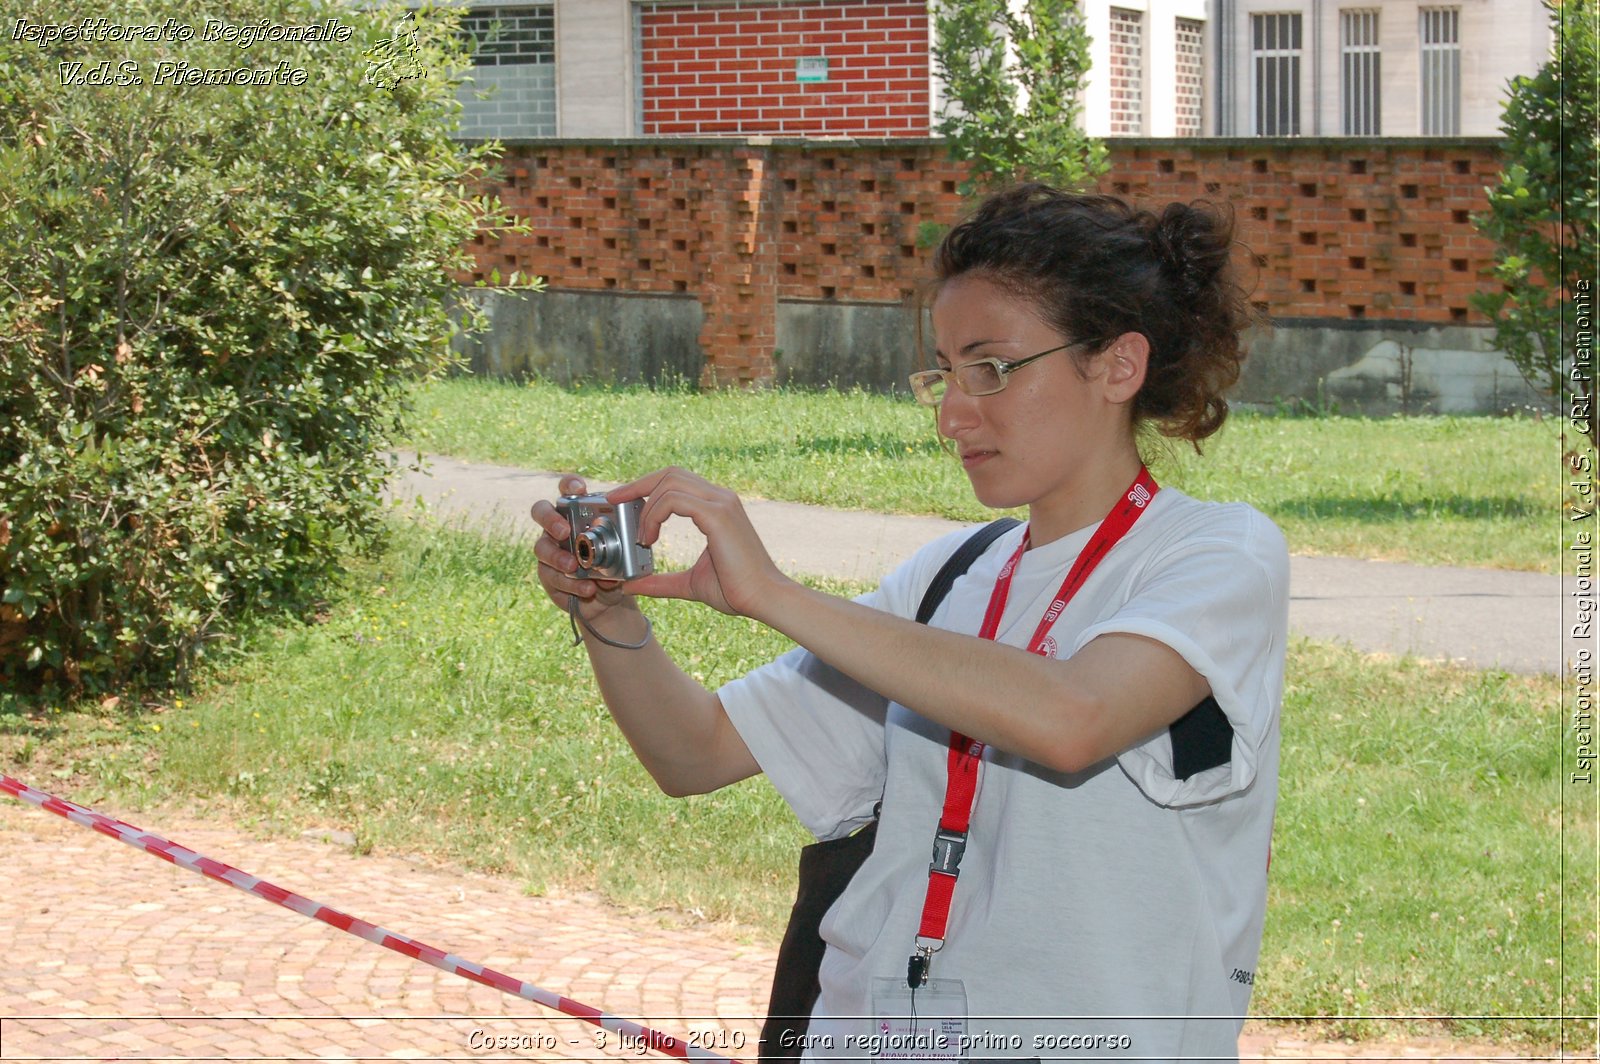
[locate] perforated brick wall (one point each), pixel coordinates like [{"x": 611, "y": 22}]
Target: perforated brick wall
[
  {"x": 1343, "y": 230},
  {"x": 1346, "y": 230},
  {"x": 806, "y": 67}
]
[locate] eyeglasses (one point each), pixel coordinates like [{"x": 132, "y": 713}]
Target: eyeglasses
[{"x": 983, "y": 377}]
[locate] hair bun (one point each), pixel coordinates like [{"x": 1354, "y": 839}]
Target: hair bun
[
  {"x": 1192, "y": 244},
  {"x": 1169, "y": 236}
]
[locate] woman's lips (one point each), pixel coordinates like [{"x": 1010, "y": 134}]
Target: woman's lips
[{"x": 974, "y": 458}]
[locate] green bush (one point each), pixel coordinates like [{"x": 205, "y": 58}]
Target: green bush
[
  {"x": 1542, "y": 214},
  {"x": 1014, "y": 77},
  {"x": 215, "y": 296}
]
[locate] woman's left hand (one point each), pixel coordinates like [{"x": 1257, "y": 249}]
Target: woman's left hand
[{"x": 734, "y": 574}]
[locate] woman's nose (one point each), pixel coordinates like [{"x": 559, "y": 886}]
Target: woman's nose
[{"x": 958, "y": 412}]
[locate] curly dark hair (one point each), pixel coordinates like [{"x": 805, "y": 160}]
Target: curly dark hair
[{"x": 1097, "y": 267}]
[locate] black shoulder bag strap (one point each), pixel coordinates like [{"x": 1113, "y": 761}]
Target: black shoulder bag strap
[
  {"x": 957, "y": 564},
  {"x": 826, "y": 868}
]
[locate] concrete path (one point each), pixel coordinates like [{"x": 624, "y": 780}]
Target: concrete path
[
  {"x": 1484, "y": 618},
  {"x": 113, "y": 954}
]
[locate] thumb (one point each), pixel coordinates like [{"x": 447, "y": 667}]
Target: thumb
[{"x": 660, "y": 585}]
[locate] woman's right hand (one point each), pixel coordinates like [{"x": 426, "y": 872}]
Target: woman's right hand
[{"x": 557, "y": 563}]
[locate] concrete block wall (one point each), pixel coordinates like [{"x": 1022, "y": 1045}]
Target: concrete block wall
[{"x": 1338, "y": 231}]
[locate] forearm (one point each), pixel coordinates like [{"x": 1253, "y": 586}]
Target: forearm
[
  {"x": 1066, "y": 715},
  {"x": 677, "y": 728},
  {"x": 960, "y": 681}
]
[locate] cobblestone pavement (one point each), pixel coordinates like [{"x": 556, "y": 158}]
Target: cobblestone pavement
[{"x": 113, "y": 954}]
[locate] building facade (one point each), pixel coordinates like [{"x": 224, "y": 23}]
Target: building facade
[
  {"x": 1393, "y": 68},
  {"x": 848, "y": 68},
  {"x": 736, "y": 191},
  {"x": 1147, "y": 69},
  {"x": 645, "y": 68}
]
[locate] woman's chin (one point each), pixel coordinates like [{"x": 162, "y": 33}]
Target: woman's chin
[{"x": 995, "y": 496}]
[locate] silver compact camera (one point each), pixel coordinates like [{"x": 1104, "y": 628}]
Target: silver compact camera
[{"x": 605, "y": 537}]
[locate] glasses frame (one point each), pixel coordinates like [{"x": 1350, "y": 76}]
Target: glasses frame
[{"x": 922, "y": 380}]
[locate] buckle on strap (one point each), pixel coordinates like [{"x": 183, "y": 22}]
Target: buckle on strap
[{"x": 948, "y": 848}]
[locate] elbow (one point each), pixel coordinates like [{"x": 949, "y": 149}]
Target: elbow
[
  {"x": 687, "y": 780},
  {"x": 675, "y": 788},
  {"x": 1071, "y": 742},
  {"x": 674, "y": 784},
  {"x": 1066, "y": 757},
  {"x": 1072, "y": 759}
]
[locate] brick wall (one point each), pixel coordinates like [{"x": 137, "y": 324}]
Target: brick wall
[
  {"x": 1343, "y": 230},
  {"x": 731, "y": 68}
]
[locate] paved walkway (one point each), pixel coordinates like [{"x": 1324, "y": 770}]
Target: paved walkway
[
  {"x": 114, "y": 954},
  {"x": 1486, "y": 618}
]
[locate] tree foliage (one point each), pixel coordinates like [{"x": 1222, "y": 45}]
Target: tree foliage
[
  {"x": 215, "y": 298},
  {"x": 1013, "y": 79},
  {"x": 1542, "y": 213}
]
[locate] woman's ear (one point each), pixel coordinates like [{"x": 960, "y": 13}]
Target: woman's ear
[{"x": 1127, "y": 359}]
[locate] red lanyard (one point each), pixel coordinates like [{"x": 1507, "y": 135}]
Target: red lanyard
[{"x": 961, "y": 785}]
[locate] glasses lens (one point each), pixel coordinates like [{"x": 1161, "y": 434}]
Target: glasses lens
[
  {"x": 981, "y": 378},
  {"x": 928, "y": 387}
]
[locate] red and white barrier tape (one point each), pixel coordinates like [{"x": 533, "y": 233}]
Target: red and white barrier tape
[{"x": 637, "y": 1034}]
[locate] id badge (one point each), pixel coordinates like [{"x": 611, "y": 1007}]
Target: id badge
[{"x": 929, "y": 1023}]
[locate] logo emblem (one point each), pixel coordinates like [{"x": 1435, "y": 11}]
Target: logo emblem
[{"x": 1048, "y": 647}]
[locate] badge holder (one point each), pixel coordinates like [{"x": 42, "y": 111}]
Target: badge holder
[{"x": 927, "y": 1023}]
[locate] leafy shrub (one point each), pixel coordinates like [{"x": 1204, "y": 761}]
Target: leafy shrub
[
  {"x": 215, "y": 297},
  {"x": 1014, "y": 75},
  {"x": 1542, "y": 214}
]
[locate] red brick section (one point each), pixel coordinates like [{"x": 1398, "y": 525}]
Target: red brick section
[
  {"x": 730, "y": 68},
  {"x": 740, "y": 288},
  {"x": 1345, "y": 230}
]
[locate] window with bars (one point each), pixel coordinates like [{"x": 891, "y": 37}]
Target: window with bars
[
  {"x": 1359, "y": 61},
  {"x": 1275, "y": 82},
  {"x": 1441, "y": 71},
  {"x": 1127, "y": 72},
  {"x": 1190, "y": 95},
  {"x": 510, "y": 36}
]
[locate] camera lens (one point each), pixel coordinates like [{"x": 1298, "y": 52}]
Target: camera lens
[
  {"x": 585, "y": 549},
  {"x": 596, "y": 548}
]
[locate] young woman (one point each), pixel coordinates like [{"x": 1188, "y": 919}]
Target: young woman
[{"x": 1089, "y": 723}]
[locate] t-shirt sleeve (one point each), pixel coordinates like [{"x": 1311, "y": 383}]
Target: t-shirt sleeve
[
  {"x": 817, "y": 734},
  {"x": 1220, "y": 598}
]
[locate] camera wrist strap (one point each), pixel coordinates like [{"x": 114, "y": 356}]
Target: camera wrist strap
[
  {"x": 574, "y": 617},
  {"x": 966, "y": 754}
]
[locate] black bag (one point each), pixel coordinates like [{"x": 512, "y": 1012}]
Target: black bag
[{"x": 826, "y": 868}]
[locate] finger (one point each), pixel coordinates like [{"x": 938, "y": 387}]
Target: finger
[
  {"x": 547, "y": 517},
  {"x": 645, "y": 485},
  {"x": 700, "y": 503},
  {"x": 572, "y": 484},
  {"x": 561, "y": 584},
  {"x": 553, "y": 552},
  {"x": 661, "y": 585}
]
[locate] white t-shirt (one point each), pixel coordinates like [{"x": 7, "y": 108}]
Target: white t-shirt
[{"x": 1120, "y": 901}]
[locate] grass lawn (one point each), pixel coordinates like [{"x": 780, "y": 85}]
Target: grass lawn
[
  {"x": 1431, "y": 490},
  {"x": 439, "y": 707}
]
